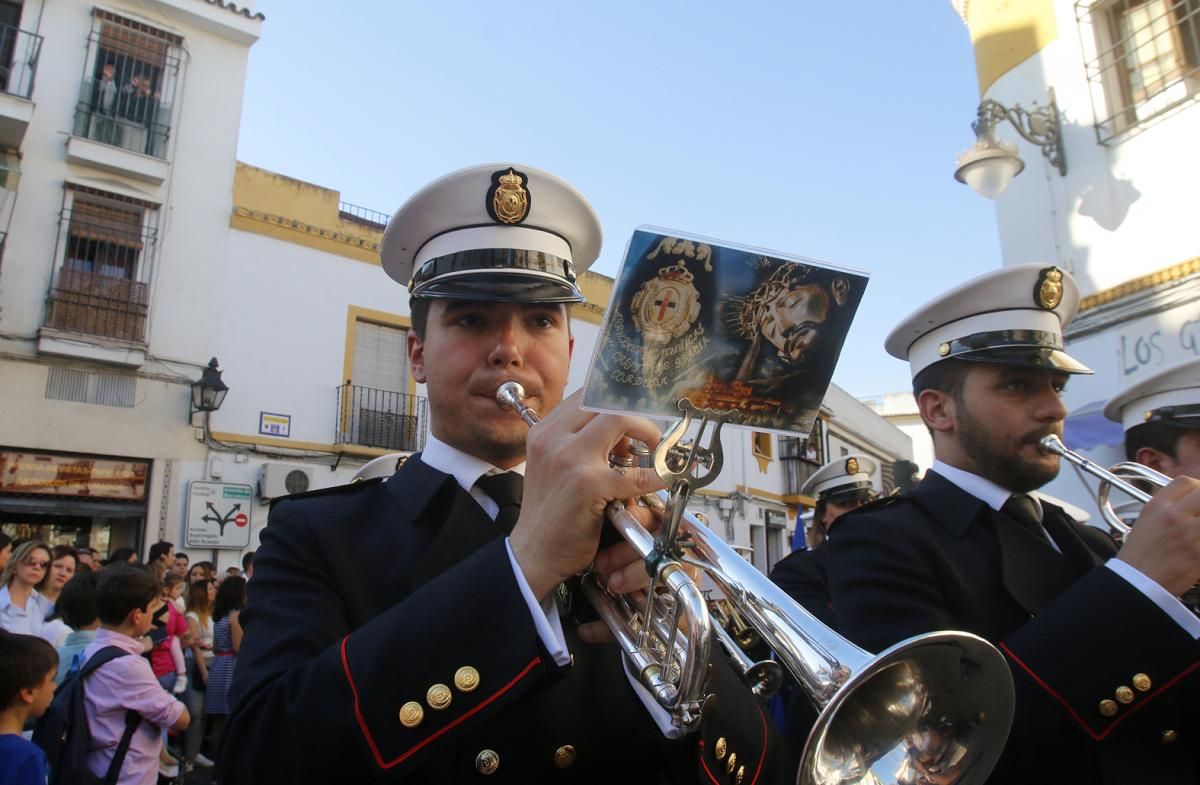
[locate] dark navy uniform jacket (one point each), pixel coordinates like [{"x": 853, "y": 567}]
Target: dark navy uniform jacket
[
  {"x": 802, "y": 575},
  {"x": 1106, "y": 681},
  {"x": 367, "y": 603}
]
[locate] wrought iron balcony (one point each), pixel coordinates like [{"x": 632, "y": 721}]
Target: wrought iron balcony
[
  {"x": 381, "y": 418},
  {"x": 19, "y": 52},
  {"x": 800, "y": 459},
  {"x": 97, "y": 304}
]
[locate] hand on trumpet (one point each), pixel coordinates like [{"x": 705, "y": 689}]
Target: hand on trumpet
[
  {"x": 1165, "y": 542},
  {"x": 568, "y": 483}
]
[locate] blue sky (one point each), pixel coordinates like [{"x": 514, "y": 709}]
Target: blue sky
[{"x": 827, "y": 130}]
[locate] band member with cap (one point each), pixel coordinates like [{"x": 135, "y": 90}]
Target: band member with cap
[
  {"x": 1161, "y": 418},
  {"x": 1100, "y": 648},
  {"x": 421, "y": 627},
  {"x": 838, "y": 487}
]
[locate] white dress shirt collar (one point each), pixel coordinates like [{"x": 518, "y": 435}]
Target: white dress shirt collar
[
  {"x": 981, "y": 488},
  {"x": 466, "y": 469}
]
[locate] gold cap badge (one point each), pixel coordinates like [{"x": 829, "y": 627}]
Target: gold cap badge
[
  {"x": 508, "y": 198},
  {"x": 851, "y": 466},
  {"x": 1049, "y": 291}
]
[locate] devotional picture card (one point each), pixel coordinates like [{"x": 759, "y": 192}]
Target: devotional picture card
[{"x": 725, "y": 327}]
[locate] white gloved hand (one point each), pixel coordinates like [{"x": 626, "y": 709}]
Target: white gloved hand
[{"x": 180, "y": 683}]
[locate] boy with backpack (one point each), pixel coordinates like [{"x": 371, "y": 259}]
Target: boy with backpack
[
  {"x": 27, "y": 668},
  {"x": 126, "y": 600}
]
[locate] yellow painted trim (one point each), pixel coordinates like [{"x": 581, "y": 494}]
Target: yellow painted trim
[
  {"x": 270, "y": 441},
  {"x": 1006, "y": 33},
  {"x": 291, "y": 231},
  {"x": 775, "y": 497},
  {"x": 800, "y": 500},
  {"x": 1140, "y": 284},
  {"x": 598, "y": 290},
  {"x": 764, "y": 456}
]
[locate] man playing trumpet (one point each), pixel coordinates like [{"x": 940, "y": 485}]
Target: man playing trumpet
[
  {"x": 1102, "y": 652},
  {"x": 396, "y": 629}
]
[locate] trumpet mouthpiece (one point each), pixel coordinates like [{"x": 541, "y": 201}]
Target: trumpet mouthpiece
[
  {"x": 1051, "y": 445},
  {"x": 510, "y": 394}
]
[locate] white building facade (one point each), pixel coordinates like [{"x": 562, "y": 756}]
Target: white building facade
[
  {"x": 1125, "y": 75},
  {"x": 119, "y": 123},
  {"x": 137, "y": 248}
]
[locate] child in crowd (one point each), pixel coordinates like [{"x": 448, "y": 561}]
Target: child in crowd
[
  {"x": 27, "y": 668},
  {"x": 127, "y": 599},
  {"x": 77, "y": 608}
]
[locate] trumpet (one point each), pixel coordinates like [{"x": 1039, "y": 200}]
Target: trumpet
[
  {"x": 936, "y": 707},
  {"x": 1120, "y": 476}
]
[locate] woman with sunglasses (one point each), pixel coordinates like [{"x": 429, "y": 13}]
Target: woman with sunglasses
[{"x": 21, "y": 608}]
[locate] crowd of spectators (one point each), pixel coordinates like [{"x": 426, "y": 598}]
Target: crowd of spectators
[{"x": 60, "y": 605}]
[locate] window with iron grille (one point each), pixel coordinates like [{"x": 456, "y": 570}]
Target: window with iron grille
[
  {"x": 374, "y": 408},
  {"x": 107, "y": 246},
  {"x": 1144, "y": 59},
  {"x": 129, "y": 85}
]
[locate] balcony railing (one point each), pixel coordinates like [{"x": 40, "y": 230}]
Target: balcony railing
[
  {"x": 94, "y": 304},
  {"x": 372, "y": 219},
  {"x": 800, "y": 459},
  {"x": 122, "y": 118},
  {"x": 381, "y": 418},
  {"x": 19, "y": 52}
]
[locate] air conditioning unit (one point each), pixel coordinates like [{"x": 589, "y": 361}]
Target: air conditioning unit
[{"x": 280, "y": 479}]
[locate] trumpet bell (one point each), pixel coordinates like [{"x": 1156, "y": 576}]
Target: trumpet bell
[{"x": 927, "y": 710}]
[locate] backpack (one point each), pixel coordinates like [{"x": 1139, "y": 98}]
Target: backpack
[{"x": 63, "y": 733}]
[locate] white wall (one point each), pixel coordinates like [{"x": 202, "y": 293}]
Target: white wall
[{"x": 1124, "y": 208}]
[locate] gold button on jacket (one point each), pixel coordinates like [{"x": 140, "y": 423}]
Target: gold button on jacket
[
  {"x": 411, "y": 714},
  {"x": 1141, "y": 682},
  {"x": 466, "y": 679},
  {"x": 1124, "y": 695},
  {"x": 564, "y": 756},
  {"x": 729, "y": 764},
  {"x": 1108, "y": 707},
  {"x": 740, "y": 774},
  {"x": 487, "y": 761},
  {"x": 438, "y": 697},
  {"x": 719, "y": 749},
  {"x": 1169, "y": 736}
]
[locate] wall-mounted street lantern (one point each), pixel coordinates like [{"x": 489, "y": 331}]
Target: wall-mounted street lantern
[
  {"x": 990, "y": 165},
  {"x": 208, "y": 392}
]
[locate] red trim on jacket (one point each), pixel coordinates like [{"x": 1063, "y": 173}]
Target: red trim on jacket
[
  {"x": 762, "y": 756},
  {"x": 362, "y": 723},
  {"x": 1133, "y": 710},
  {"x": 704, "y": 765}
]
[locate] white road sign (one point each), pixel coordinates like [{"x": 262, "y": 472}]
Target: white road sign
[{"x": 218, "y": 515}]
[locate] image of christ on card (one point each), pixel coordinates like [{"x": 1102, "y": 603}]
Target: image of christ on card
[{"x": 727, "y": 327}]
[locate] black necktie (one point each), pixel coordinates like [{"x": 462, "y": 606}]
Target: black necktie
[
  {"x": 1022, "y": 509},
  {"x": 505, "y": 490}
]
